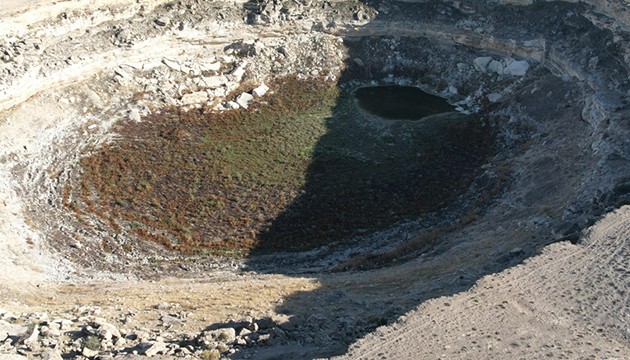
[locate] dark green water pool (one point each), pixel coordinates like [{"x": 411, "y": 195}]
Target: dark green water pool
[{"x": 397, "y": 102}]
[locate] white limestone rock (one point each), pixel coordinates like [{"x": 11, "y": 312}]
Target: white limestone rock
[
  {"x": 213, "y": 82},
  {"x": 260, "y": 91},
  {"x": 198, "y": 97},
  {"x": 244, "y": 99}
]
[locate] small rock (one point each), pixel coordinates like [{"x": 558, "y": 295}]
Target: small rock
[
  {"x": 172, "y": 64},
  {"x": 361, "y": 15},
  {"x": 52, "y": 330},
  {"x": 31, "y": 339},
  {"x": 238, "y": 73},
  {"x": 120, "y": 342},
  {"x": 495, "y": 67},
  {"x": 516, "y": 68},
  {"x": 105, "y": 330},
  {"x": 232, "y": 105},
  {"x": 87, "y": 352},
  {"x": 214, "y": 81},
  {"x": 494, "y": 97},
  {"x": 225, "y": 335},
  {"x": 223, "y": 347},
  {"x": 153, "y": 348},
  {"x": 65, "y": 324},
  {"x": 213, "y": 354},
  {"x": 481, "y": 63},
  {"x": 134, "y": 115},
  {"x": 11, "y": 330},
  {"x": 122, "y": 73},
  {"x": 198, "y": 97},
  {"x": 260, "y": 91},
  {"x": 213, "y": 66},
  {"x": 51, "y": 354},
  {"x": 283, "y": 51},
  {"x": 75, "y": 245},
  {"x": 452, "y": 90},
  {"x": 161, "y": 21},
  {"x": 244, "y": 99}
]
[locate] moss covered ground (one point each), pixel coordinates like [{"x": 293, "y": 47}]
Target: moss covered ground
[{"x": 302, "y": 168}]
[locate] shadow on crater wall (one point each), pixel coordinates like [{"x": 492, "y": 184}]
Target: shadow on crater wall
[{"x": 347, "y": 195}]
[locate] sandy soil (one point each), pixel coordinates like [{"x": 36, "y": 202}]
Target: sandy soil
[{"x": 570, "y": 302}]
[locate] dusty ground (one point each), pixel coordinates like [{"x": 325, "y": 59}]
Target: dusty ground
[{"x": 492, "y": 289}]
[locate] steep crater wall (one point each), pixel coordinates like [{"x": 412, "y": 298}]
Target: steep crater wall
[{"x": 439, "y": 50}]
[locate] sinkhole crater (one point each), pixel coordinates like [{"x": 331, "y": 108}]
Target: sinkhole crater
[{"x": 301, "y": 169}]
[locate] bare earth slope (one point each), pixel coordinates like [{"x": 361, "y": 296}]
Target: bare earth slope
[{"x": 570, "y": 302}]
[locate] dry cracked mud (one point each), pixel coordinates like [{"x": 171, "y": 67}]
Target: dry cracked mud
[{"x": 526, "y": 258}]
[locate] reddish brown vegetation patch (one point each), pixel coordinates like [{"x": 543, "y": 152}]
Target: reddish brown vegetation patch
[{"x": 285, "y": 174}]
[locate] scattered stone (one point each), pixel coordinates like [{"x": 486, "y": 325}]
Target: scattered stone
[
  {"x": 237, "y": 74},
  {"x": 224, "y": 335},
  {"x": 516, "y": 68},
  {"x": 494, "y": 97},
  {"x": 481, "y": 63},
  {"x": 232, "y": 105},
  {"x": 52, "y": 330},
  {"x": 162, "y": 21},
  {"x": 198, "y": 97},
  {"x": 87, "y": 352},
  {"x": 51, "y": 354},
  {"x": 134, "y": 115},
  {"x": 11, "y": 330},
  {"x": 495, "y": 67},
  {"x": 260, "y": 91},
  {"x": 154, "y": 348},
  {"x": 244, "y": 100},
  {"x": 65, "y": 324},
  {"x": 30, "y": 338},
  {"x": 214, "y": 81},
  {"x": 105, "y": 330}
]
